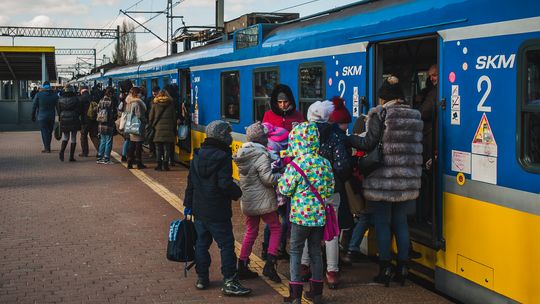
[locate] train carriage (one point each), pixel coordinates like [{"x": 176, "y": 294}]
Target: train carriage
[{"x": 478, "y": 213}]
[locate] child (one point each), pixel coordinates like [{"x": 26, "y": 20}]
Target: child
[
  {"x": 106, "y": 116},
  {"x": 208, "y": 196},
  {"x": 277, "y": 143},
  {"x": 258, "y": 201},
  {"x": 307, "y": 211}
]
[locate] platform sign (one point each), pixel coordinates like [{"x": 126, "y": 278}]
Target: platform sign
[{"x": 484, "y": 142}]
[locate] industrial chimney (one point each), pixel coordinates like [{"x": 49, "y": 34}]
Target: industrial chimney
[{"x": 219, "y": 14}]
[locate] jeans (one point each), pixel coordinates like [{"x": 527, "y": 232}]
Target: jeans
[
  {"x": 105, "y": 147},
  {"x": 125, "y": 147},
  {"x": 89, "y": 129},
  {"x": 47, "y": 127},
  {"x": 283, "y": 212},
  {"x": 332, "y": 253},
  {"x": 163, "y": 150},
  {"x": 359, "y": 230},
  {"x": 222, "y": 233},
  {"x": 299, "y": 235},
  {"x": 252, "y": 231},
  {"x": 386, "y": 214}
]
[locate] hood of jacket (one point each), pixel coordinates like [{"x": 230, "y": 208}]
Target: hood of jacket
[
  {"x": 162, "y": 100},
  {"x": 273, "y": 100},
  {"x": 131, "y": 99},
  {"x": 212, "y": 154},
  {"x": 303, "y": 139},
  {"x": 247, "y": 155}
]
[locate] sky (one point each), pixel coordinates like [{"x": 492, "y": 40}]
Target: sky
[{"x": 105, "y": 14}]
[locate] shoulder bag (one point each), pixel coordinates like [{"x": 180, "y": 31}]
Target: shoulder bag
[
  {"x": 133, "y": 124},
  {"x": 150, "y": 131},
  {"x": 331, "y": 228}
]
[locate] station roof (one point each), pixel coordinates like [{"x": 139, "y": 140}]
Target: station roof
[{"x": 24, "y": 62}]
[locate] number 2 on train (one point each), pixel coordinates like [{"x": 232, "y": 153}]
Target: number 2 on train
[{"x": 481, "y": 107}]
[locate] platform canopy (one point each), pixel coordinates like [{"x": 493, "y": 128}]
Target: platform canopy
[{"x": 25, "y": 63}]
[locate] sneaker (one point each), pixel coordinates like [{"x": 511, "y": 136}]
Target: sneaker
[
  {"x": 232, "y": 287},
  {"x": 108, "y": 162},
  {"x": 100, "y": 161},
  {"x": 202, "y": 283}
]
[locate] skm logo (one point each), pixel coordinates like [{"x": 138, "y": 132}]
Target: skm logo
[
  {"x": 495, "y": 62},
  {"x": 352, "y": 70}
]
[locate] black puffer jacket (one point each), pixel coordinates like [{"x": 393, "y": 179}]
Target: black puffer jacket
[
  {"x": 210, "y": 186},
  {"x": 70, "y": 110}
]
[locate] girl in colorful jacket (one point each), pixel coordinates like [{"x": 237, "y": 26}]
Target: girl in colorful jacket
[{"x": 307, "y": 212}]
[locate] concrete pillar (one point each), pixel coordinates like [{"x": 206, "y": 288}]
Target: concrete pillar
[
  {"x": 44, "y": 76},
  {"x": 15, "y": 89}
]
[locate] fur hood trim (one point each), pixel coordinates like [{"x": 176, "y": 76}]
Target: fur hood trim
[{"x": 161, "y": 99}]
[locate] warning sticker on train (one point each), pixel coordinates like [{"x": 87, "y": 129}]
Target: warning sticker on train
[{"x": 484, "y": 142}]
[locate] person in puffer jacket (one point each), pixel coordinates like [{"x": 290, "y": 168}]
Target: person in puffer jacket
[
  {"x": 390, "y": 190},
  {"x": 307, "y": 212},
  {"x": 258, "y": 200},
  {"x": 70, "y": 111}
]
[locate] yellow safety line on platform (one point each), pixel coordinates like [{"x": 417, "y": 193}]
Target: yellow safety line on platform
[{"x": 256, "y": 263}]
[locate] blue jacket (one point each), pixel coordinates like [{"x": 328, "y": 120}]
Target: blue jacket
[{"x": 45, "y": 104}]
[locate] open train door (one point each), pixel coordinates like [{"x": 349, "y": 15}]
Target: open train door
[{"x": 184, "y": 145}]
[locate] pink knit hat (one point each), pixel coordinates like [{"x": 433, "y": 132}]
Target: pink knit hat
[{"x": 277, "y": 137}]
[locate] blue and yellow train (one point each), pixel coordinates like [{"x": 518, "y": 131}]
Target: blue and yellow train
[{"x": 479, "y": 241}]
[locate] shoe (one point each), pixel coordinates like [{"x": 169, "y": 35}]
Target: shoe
[
  {"x": 402, "y": 272},
  {"x": 166, "y": 166},
  {"x": 305, "y": 272},
  {"x": 123, "y": 158},
  {"x": 140, "y": 166},
  {"x": 159, "y": 166},
  {"x": 232, "y": 287},
  {"x": 108, "y": 162},
  {"x": 315, "y": 292},
  {"x": 244, "y": 273},
  {"x": 83, "y": 155},
  {"x": 269, "y": 269},
  {"x": 295, "y": 293},
  {"x": 72, "y": 152},
  {"x": 100, "y": 161},
  {"x": 264, "y": 252},
  {"x": 45, "y": 151},
  {"x": 172, "y": 163},
  {"x": 130, "y": 165},
  {"x": 202, "y": 283},
  {"x": 332, "y": 279},
  {"x": 385, "y": 273}
]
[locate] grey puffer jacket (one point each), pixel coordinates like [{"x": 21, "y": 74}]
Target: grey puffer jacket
[
  {"x": 398, "y": 180},
  {"x": 256, "y": 179}
]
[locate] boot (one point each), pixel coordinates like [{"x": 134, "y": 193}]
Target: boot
[
  {"x": 332, "y": 279},
  {"x": 264, "y": 253},
  {"x": 385, "y": 273},
  {"x": 159, "y": 166},
  {"x": 62, "y": 150},
  {"x": 140, "y": 165},
  {"x": 244, "y": 273},
  {"x": 166, "y": 166},
  {"x": 402, "y": 272},
  {"x": 72, "y": 152},
  {"x": 295, "y": 293},
  {"x": 269, "y": 269},
  {"x": 315, "y": 292},
  {"x": 232, "y": 287},
  {"x": 305, "y": 272},
  {"x": 282, "y": 254},
  {"x": 130, "y": 164}
]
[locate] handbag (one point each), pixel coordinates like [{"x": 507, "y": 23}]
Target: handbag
[
  {"x": 121, "y": 122},
  {"x": 331, "y": 228},
  {"x": 150, "y": 131},
  {"x": 57, "y": 131},
  {"x": 181, "y": 243},
  {"x": 183, "y": 132},
  {"x": 356, "y": 200},
  {"x": 133, "y": 124},
  {"x": 373, "y": 159}
]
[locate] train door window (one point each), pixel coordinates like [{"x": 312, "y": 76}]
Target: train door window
[
  {"x": 311, "y": 85},
  {"x": 264, "y": 81},
  {"x": 414, "y": 63},
  {"x": 230, "y": 95},
  {"x": 529, "y": 105},
  {"x": 154, "y": 83},
  {"x": 166, "y": 81}
]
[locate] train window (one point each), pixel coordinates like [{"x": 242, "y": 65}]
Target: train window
[
  {"x": 166, "y": 81},
  {"x": 154, "y": 83},
  {"x": 264, "y": 81},
  {"x": 311, "y": 85},
  {"x": 529, "y": 103},
  {"x": 230, "y": 95}
]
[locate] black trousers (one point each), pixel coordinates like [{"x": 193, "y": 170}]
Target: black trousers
[
  {"x": 163, "y": 150},
  {"x": 135, "y": 151},
  {"x": 89, "y": 129}
]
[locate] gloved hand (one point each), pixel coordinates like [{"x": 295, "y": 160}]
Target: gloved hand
[{"x": 187, "y": 211}]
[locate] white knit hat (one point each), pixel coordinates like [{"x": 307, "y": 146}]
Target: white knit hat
[{"x": 320, "y": 111}]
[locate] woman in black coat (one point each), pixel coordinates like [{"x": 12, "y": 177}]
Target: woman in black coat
[{"x": 70, "y": 111}]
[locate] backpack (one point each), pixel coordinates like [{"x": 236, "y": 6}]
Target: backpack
[
  {"x": 181, "y": 244},
  {"x": 103, "y": 110},
  {"x": 91, "y": 114}
]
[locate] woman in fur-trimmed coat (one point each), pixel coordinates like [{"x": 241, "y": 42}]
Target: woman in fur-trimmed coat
[{"x": 392, "y": 189}]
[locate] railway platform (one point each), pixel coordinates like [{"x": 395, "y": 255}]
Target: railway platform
[{"x": 87, "y": 233}]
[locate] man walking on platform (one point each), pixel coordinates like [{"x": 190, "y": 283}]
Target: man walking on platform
[
  {"x": 209, "y": 192},
  {"x": 44, "y": 108},
  {"x": 89, "y": 125}
]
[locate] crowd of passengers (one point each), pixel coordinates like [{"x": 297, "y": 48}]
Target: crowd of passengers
[
  {"x": 292, "y": 171},
  {"x": 94, "y": 113}
]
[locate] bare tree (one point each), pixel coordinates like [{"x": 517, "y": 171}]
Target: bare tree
[{"x": 126, "y": 52}]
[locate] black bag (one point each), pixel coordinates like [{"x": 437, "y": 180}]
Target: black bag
[
  {"x": 182, "y": 237},
  {"x": 150, "y": 130},
  {"x": 57, "y": 131},
  {"x": 373, "y": 159}
]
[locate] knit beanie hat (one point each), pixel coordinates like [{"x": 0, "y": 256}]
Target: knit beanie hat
[
  {"x": 46, "y": 85},
  {"x": 340, "y": 113},
  {"x": 220, "y": 130},
  {"x": 390, "y": 89},
  {"x": 257, "y": 133},
  {"x": 278, "y": 137},
  {"x": 320, "y": 111}
]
